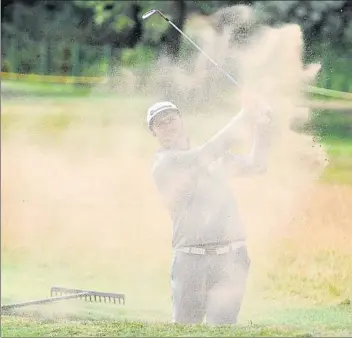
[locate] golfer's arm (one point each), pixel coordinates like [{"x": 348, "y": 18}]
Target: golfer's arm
[
  {"x": 167, "y": 171},
  {"x": 256, "y": 161},
  {"x": 213, "y": 149}
]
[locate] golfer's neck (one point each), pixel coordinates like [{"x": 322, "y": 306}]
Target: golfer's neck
[{"x": 180, "y": 144}]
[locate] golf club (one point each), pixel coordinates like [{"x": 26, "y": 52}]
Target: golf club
[{"x": 154, "y": 11}]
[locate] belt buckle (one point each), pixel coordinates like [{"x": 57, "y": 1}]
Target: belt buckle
[{"x": 198, "y": 251}]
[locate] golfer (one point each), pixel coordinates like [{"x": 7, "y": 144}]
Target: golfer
[{"x": 210, "y": 260}]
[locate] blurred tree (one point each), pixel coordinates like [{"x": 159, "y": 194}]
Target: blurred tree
[
  {"x": 320, "y": 20},
  {"x": 124, "y": 17},
  {"x": 171, "y": 38},
  {"x": 119, "y": 22}
]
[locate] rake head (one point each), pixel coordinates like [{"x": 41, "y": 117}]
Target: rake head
[{"x": 88, "y": 295}]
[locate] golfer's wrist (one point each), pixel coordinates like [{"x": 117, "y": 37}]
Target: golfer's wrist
[{"x": 239, "y": 116}]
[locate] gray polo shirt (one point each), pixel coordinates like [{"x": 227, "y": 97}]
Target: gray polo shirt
[{"x": 195, "y": 185}]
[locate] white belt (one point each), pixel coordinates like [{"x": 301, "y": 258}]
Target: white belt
[{"x": 218, "y": 251}]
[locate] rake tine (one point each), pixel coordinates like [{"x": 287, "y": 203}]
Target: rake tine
[{"x": 94, "y": 296}]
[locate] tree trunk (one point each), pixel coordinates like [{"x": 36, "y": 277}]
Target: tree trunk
[{"x": 171, "y": 39}]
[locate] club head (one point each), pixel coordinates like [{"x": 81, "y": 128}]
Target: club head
[{"x": 149, "y": 13}]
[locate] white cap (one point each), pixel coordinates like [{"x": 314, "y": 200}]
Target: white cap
[{"x": 158, "y": 108}]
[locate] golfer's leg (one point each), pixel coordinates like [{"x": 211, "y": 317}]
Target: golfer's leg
[
  {"x": 227, "y": 290},
  {"x": 188, "y": 289}
]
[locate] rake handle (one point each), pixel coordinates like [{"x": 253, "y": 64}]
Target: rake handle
[{"x": 43, "y": 301}]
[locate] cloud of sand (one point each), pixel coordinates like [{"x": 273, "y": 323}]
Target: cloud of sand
[
  {"x": 87, "y": 200},
  {"x": 268, "y": 62}
]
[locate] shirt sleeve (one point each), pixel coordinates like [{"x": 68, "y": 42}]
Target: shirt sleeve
[
  {"x": 174, "y": 170},
  {"x": 207, "y": 153}
]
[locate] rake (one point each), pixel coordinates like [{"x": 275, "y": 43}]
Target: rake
[{"x": 59, "y": 293}]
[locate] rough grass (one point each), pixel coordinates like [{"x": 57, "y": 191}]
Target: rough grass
[
  {"x": 30, "y": 327},
  {"x": 302, "y": 287},
  {"x": 25, "y": 88},
  {"x": 340, "y": 169}
]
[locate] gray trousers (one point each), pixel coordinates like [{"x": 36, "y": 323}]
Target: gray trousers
[{"x": 209, "y": 286}]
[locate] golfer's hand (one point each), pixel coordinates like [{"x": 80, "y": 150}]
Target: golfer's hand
[{"x": 263, "y": 115}]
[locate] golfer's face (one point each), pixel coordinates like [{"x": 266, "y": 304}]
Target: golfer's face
[{"x": 168, "y": 127}]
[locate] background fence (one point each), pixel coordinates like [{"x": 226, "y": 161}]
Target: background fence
[
  {"x": 55, "y": 58},
  {"x": 64, "y": 58}
]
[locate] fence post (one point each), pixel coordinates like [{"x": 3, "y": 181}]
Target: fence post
[
  {"x": 43, "y": 63},
  {"x": 107, "y": 57},
  {"x": 347, "y": 71},
  {"x": 326, "y": 50},
  {"x": 349, "y": 75},
  {"x": 75, "y": 66},
  {"x": 13, "y": 55}
]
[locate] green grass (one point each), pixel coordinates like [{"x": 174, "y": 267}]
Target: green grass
[
  {"x": 328, "y": 94},
  {"x": 293, "y": 322},
  {"x": 334, "y": 131},
  {"x": 25, "y": 88},
  {"x": 339, "y": 169},
  {"x": 147, "y": 311},
  {"x": 13, "y": 326},
  {"x": 262, "y": 315}
]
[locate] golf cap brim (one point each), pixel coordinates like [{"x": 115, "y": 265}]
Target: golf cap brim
[{"x": 159, "y": 108}]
